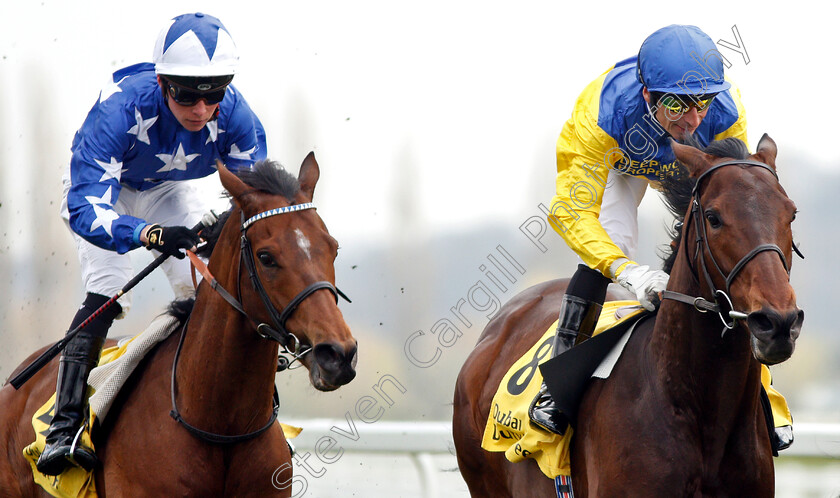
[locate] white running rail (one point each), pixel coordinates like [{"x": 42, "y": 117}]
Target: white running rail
[{"x": 424, "y": 443}]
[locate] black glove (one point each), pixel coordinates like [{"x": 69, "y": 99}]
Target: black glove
[{"x": 170, "y": 240}]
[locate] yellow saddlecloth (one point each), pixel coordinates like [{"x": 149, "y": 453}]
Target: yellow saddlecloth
[
  {"x": 778, "y": 403},
  {"x": 76, "y": 482},
  {"x": 508, "y": 427}
]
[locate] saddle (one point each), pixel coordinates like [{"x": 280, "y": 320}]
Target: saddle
[
  {"x": 566, "y": 375},
  {"x": 116, "y": 365},
  {"x": 508, "y": 428}
]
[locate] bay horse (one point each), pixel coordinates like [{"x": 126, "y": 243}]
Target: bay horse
[
  {"x": 227, "y": 442},
  {"x": 680, "y": 414}
]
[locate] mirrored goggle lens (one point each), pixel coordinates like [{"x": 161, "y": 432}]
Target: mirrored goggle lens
[
  {"x": 187, "y": 96},
  {"x": 678, "y": 106}
]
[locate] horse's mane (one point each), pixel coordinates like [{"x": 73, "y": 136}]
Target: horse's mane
[
  {"x": 266, "y": 176},
  {"x": 676, "y": 190},
  {"x": 271, "y": 178}
]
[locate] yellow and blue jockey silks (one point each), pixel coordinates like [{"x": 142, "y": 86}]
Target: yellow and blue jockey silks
[{"x": 612, "y": 128}]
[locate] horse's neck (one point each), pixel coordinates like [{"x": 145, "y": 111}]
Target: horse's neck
[
  {"x": 228, "y": 368},
  {"x": 699, "y": 367}
]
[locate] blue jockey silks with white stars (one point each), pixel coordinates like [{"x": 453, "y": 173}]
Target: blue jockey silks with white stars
[{"x": 131, "y": 139}]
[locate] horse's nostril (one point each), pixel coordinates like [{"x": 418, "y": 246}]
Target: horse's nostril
[
  {"x": 771, "y": 324},
  {"x": 353, "y": 356},
  {"x": 796, "y": 319},
  {"x": 333, "y": 356},
  {"x": 327, "y": 354},
  {"x": 759, "y": 321},
  {"x": 337, "y": 366}
]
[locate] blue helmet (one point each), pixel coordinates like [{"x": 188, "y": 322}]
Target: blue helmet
[
  {"x": 195, "y": 45},
  {"x": 682, "y": 60}
]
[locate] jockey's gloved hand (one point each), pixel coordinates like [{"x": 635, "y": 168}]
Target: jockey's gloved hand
[
  {"x": 645, "y": 283},
  {"x": 170, "y": 240}
]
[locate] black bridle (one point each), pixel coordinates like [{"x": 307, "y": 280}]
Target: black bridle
[
  {"x": 278, "y": 333},
  {"x": 722, "y": 304},
  {"x": 291, "y": 344}
]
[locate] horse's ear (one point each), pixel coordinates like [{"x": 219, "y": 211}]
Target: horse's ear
[
  {"x": 695, "y": 160},
  {"x": 767, "y": 150},
  {"x": 309, "y": 174},
  {"x": 230, "y": 182}
]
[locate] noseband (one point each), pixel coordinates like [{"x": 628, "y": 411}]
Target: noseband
[
  {"x": 291, "y": 344},
  {"x": 279, "y": 333},
  {"x": 722, "y": 304}
]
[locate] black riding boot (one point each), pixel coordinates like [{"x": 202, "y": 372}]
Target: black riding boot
[
  {"x": 64, "y": 447},
  {"x": 579, "y": 314}
]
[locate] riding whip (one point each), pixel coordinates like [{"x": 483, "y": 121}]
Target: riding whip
[{"x": 59, "y": 346}]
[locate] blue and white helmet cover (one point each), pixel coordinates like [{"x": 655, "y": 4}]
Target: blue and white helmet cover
[{"x": 195, "y": 45}]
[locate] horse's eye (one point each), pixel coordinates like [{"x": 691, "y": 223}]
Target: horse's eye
[
  {"x": 714, "y": 219},
  {"x": 266, "y": 259},
  {"x": 794, "y": 216}
]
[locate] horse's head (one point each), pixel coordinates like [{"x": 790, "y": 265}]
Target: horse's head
[
  {"x": 741, "y": 219},
  {"x": 290, "y": 257}
]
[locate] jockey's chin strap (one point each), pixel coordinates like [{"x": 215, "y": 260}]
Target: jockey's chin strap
[{"x": 722, "y": 304}]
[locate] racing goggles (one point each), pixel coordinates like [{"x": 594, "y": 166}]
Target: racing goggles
[
  {"x": 184, "y": 95},
  {"x": 684, "y": 103}
]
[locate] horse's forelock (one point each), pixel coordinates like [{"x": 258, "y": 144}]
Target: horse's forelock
[
  {"x": 270, "y": 177},
  {"x": 728, "y": 147},
  {"x": 266, "y": 176}
]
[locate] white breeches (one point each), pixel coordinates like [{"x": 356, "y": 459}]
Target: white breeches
[
  {"x": 171, "y": 203},
  {"x": 620, "y": 208}
]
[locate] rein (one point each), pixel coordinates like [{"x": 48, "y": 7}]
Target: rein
[
  {"x": 211, "y": 437},
  {"x": 199, "y": 265},
  {"x": 279, "y": 333},
  {"x": 722, "y": 304},
  {"x": 291, "y": 344}
]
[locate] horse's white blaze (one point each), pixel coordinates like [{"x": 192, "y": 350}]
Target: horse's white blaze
[{"x": 303, "y": 242}]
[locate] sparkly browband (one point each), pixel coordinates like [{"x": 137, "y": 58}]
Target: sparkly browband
[{"x": 282, "y": 210}]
